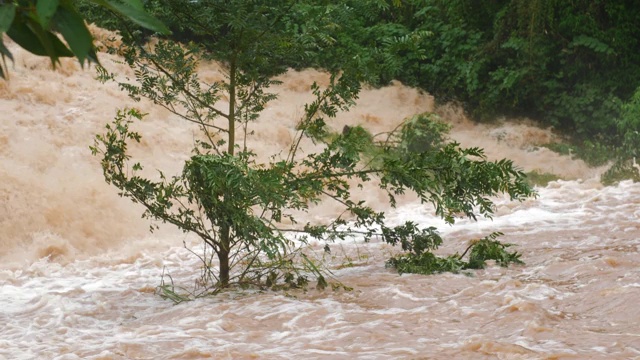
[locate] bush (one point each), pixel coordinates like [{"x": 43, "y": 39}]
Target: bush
[
  {"x": 628, "y": 127},
  {"x": 480, "y": 251}
]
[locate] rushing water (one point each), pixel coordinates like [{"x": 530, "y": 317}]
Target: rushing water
[{"x": 79, "y": 269}]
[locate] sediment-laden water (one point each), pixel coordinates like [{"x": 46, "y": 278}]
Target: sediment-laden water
[{"x": 78, "y": 268}]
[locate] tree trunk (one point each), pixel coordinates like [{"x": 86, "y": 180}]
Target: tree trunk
[
  {"x": 223, "y": 252},
  {"x": 223, "y": 257},
  {"x": 232, "y": 107}
]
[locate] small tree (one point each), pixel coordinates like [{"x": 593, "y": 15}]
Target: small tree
[{"x": 238, "y": 206}]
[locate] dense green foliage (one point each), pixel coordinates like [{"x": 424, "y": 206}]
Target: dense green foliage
[
  {"x": 243, "y": 209},
  {"x": 33, "y": 24},
  {"x": 423, "y": 261},
  {"x": 570, "y": 64},
  {"x": 628, "y": 126}
]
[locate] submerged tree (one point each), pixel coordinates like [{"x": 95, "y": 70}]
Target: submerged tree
[{"x": 243, "y": 209}]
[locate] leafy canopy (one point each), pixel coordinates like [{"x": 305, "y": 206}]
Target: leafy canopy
[{"x": 243, "y": 209}]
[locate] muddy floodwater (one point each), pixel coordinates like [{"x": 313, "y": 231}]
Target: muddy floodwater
[{"x": 78, "y": 268}]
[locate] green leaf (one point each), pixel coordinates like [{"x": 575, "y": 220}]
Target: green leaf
[
  {"x": 7, "y": 13},
  {"x": 135, "y": 4},
  {"x": 45, "y": 10},
  {"x": 24, "y": 36},
  {"x": 43, "y": 37},
  {"x": 92, "y": 56},
  {"x": 71, "y": 25},
  {"x": 135, "y": 14},
  {"x": 4, "y": 51}
]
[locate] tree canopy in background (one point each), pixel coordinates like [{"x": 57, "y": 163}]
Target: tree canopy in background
[
  {"x": 570, "y": 64},
  {"x": 574, "y": 65}
]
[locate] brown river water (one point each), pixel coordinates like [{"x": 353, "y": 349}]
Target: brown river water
[{"x": 78, "y": 268}]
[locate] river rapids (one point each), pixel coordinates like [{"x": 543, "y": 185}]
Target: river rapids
[{"x": 78, "y": 268}]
